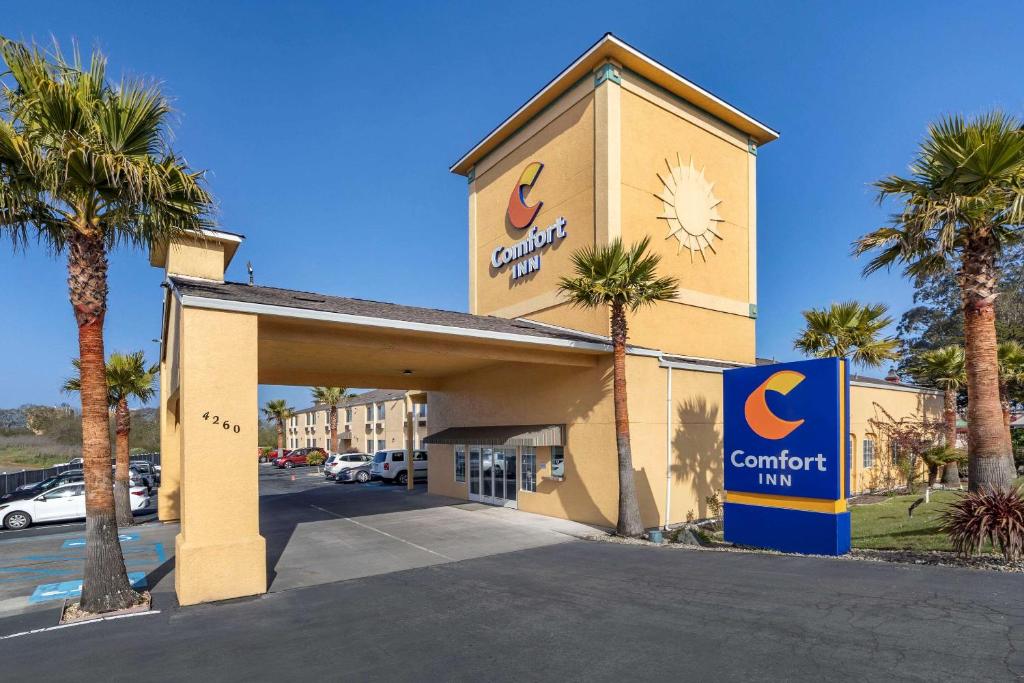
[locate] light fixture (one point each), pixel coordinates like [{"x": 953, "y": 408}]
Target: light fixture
[{"x": 406, "y": 372}]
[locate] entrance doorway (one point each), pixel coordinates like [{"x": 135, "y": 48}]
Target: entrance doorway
[{"x": 492, "y": 475}]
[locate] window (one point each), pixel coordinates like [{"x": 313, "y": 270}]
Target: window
[
  {"x": 558, "y": 462},
  {"x": 895, "y": 448},
  {"x": 348, "y": 414},
  {"x": 398, "y": 457},
  {"x": 851, "y": 444},
  {"x": 421, "y": 410},
  {"x": 460, "y": 463},
  {"x": 869, "y": 453},
  {"x": 380, "y": 411},
  {"x": 528, "y": 475},
  {"x": 381, "y": 444}
]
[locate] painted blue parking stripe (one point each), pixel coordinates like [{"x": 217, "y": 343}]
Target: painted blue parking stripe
[
  {"x": 80, "y": 542},
  {"x": 34, "y": 570},
  {"x": 73, "y": 588}
]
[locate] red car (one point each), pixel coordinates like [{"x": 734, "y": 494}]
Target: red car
[{"x": 297, "y": 457}]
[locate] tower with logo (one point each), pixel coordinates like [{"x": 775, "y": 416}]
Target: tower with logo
[
  {"x": 618, "y": 146},
  {"x": 787, "y": 470}
]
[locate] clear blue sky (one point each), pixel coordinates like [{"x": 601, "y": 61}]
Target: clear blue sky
[{"x": 328, "y": 129}]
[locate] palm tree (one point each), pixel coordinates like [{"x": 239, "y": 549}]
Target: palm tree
[
  {"x": 85, "y": 166},
  {"x": 624, "y": 279},
  {"x": 850, "y": 330},
  {"x": 961, "y": 206},
  {"x": 945, "y": 369},
  {"x": 330, "y": 397},
  {"x": 1010, "y": 356},
  {"x": 278, "y": 412},
  {"x": 127, "y": 377}
]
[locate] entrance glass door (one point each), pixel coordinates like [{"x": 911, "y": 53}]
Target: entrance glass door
[{"x": 492, "y": 475}]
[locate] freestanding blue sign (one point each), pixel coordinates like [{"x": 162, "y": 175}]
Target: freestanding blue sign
[{"x": 787, "y": 472}]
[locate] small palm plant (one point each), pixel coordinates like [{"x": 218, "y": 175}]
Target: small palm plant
[
  {"x": 330, "y": 397},
  {"x": 988, "y": 515},
  {"x": 86, "y": 165},
  {"x": 128, "y": 377},
  {"x": 945, "y": 369},
  {"x": 623, "y": 279},
  {"x": 278, "y": 412},
  {"x": 850, "y": 330}
]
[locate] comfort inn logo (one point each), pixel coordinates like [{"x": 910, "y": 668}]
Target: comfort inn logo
[
  {"x": 761, "y": 420},
  {"x": 521, "y": 214},
  {"x": 523, "y": 257}
]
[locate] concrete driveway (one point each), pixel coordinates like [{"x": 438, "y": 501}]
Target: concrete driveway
[{"x": 318, "y": 532}]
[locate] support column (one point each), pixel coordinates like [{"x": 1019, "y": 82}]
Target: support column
[
  {"x": 410, "y": 438},
  {"x": 220, "y": 553},
  {"x": 169, "y": 493}
]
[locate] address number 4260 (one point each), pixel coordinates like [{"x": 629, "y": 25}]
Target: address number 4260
[{"x": 226, "y": 424}]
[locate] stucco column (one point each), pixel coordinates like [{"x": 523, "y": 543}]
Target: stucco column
[
  {"x": 410, "y": 431},
  {"x": 220, "y": 553},
  {"x": 170, "y": 448}
]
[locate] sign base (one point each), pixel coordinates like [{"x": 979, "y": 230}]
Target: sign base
[{"x": 789, "y": 531}]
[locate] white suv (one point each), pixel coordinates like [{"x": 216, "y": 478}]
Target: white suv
[
  {"x": 391, "y": 466},
  {"x": 344, "y": 461}
]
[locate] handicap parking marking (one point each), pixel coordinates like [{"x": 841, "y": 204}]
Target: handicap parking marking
[
  {"x": 73, "y": 588},
  {"x": 80, "y": 542}
]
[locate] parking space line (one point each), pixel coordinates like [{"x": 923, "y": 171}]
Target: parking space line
[
  {"x": 384, "y": 533},
  {"x": 78, "y": 623}
]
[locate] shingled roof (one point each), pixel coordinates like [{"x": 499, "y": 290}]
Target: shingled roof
[{"x": 364, "y": 308}]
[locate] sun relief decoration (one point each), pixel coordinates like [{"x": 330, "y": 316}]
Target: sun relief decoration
[{"x": 690, "y": 208}]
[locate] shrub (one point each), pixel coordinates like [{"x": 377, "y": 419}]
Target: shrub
[
  {"x": 315, "y": 459},
  {"x": 993, "y": 516}
]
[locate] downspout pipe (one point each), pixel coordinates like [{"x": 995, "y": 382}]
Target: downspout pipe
[{"x": 668, "y": 446}]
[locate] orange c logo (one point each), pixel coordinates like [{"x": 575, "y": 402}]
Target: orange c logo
[
  {"x": 520, "y": 214},
  {"x": 761, "y": 419}
]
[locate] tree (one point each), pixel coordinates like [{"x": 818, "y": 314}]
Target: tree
[
  {"x": 330, "y": 397},
  {"x": 127, "y": 378},
  {"x": 944, "y": 368},
  {"x": 278, "y": 412},
  {"x": 848, "y": 329},
  {"x": 1010, "y": 355},
  {"x": 624, "y": 279},
  {"x": 960, "y": 208},
  {"x": 85, "y": 166},
  {"x": 911, "y": 439}
]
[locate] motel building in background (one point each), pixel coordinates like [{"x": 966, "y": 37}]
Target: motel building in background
[
  {"x": 519, "y": 388},
  {"x": 367, "y": 422}
]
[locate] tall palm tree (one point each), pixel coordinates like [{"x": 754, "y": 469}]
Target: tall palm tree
[
  {"x": 945, "y": 369},
  {"x": 127, "y": 378},
  {"x": 962, "y": 204},
  {"x": 84, "y": 166},
  {"x": 330, "y": 397},
  {"x": 1010, "y": 355},
  {"x": 848, "y": 329},
  {"x": 624, "y": 279},
  {"x": 278, "y": 412}
]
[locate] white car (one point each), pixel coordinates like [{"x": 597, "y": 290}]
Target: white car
[
  {"x": 391, "y": 466},
  {"x": 344, "y": 461},
  {"x": 58, "y": 504}
]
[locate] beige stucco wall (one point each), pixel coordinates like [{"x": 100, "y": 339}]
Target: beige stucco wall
[
  {"x": 867, "y": 404},
  {"x": 565, "y": 146},
  {"x": 196, "y": 258}
]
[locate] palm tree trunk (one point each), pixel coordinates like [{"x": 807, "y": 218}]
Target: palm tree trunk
[
  {"x": 629, "y": 522},
  {"x": 122, "y": 500},
  {"x": 280, "y": 439},
  {"x": 951, "y": 472},
  {"x": 105, "y": 584},
  {"x": 334, "y": 430},
  {"x": 987, "y": 464}
]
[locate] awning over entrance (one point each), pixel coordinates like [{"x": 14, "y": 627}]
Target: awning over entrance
[{"x": 503, "y": 435}]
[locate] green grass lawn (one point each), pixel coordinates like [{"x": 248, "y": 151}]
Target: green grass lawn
[
  {"x": 886, "y": 526},
  {"x": 17, "y": 458}
]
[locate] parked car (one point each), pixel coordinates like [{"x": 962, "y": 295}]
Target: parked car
[
  {"x": 147, "y": 469},
  {"x": 391, "y": 466},
  {"x": 137, "y": 476},
  {"x": 360, "y": 473},
  {"x": 339, "y": 462},
  {"x": 59, "y": 504},
  {"x": 29, "y": 490},
  {"x": 297, "y": 457}
]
